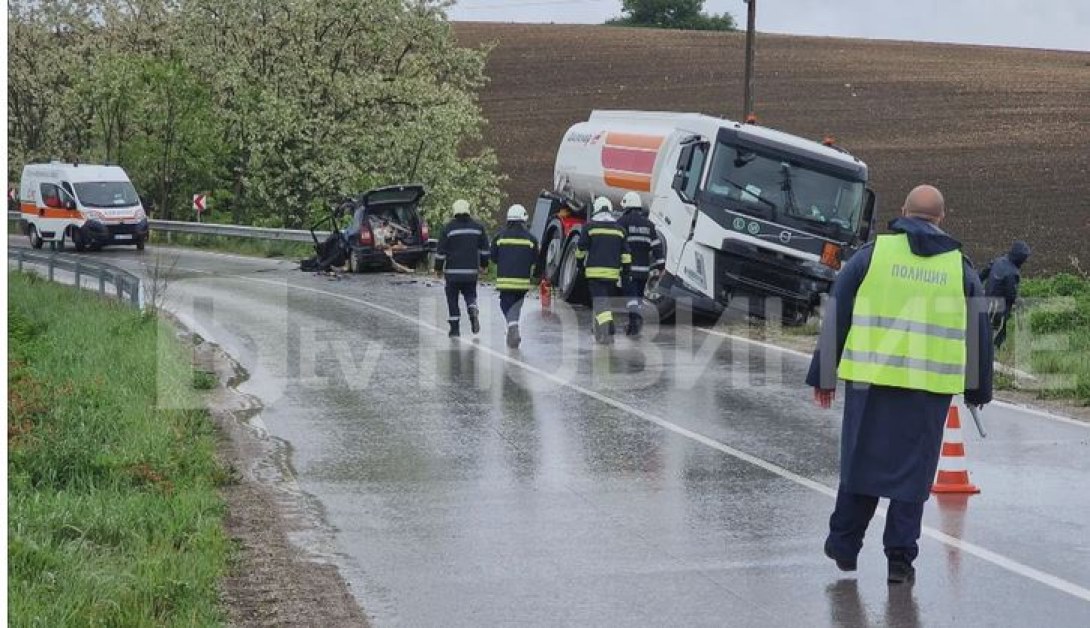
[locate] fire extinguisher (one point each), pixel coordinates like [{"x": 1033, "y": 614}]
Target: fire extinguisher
[{"x": 546, "y": 292}]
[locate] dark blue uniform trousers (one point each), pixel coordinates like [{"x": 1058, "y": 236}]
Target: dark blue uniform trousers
[
  {"x": 511, "y": 305},
  {"x": 853, "y": 513},
  {"x": 468, "y": 290}
]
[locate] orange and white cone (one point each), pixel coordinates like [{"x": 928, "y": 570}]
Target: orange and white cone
[{"x": 953, "y": 476}]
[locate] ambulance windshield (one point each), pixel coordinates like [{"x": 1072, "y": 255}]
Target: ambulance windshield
[
  {"x": 780, "y": 190},
  {"x": 106, "y": 194}
]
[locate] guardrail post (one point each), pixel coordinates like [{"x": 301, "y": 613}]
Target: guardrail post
[
  {"x": 51, "y": 260},
  {"x": 20, "y": 258},
  {"x": 101, "y": 282},
  {"x": 79, "y": 273},
  {"x": 118, "y": 284}
]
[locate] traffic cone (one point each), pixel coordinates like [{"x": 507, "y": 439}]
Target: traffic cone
[
  {"x": 953, "y": 477},
  {"x": 546, "y": 294}
]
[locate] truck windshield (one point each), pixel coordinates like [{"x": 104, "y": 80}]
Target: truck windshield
[
  {"x": 106, "y": 194},
  {"x": 778, "y": 189}
]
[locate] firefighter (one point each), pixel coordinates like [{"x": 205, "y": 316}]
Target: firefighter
[
  {"x": 603, "y": 251},
  {"x": 907, "y": 330},
  {"x": 1001, "y": 278},
  {"x": 514, "y": 251},
  {"x": 461, "y": 254},
  {"x": 646, "y": 250}
]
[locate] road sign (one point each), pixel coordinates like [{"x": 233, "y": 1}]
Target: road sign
[{"x": 199, "y": 203}]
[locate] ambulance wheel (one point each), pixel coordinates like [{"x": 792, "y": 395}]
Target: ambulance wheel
[
  {"x": 36, "y": 240},
  {"x": 77, "y": 240}
]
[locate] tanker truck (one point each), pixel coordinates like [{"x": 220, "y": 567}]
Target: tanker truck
[{"x": 750, "y": 218}]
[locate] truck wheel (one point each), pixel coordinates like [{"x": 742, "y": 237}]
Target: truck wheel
[
  {"x": 665, "y": 306},
  {"x": 570, "y": 283},
  {"x": 36, "y": 240},
  {"x": 554, "y": 254}
]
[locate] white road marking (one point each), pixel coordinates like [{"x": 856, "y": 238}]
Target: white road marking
[
  {"x": 999, "y": 560},
  {"x": 973, "y": 549}
]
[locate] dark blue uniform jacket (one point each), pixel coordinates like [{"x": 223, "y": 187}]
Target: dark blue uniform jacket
[{"x": 891, "y": 436}]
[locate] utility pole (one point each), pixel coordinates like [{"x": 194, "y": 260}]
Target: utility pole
[{"x": 751, "y": 25}]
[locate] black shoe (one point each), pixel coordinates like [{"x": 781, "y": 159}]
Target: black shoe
[
  {"x": 454, "y": 330},
  {"x": 843, "y": 564},
  {"x": 513, "y": 338},
  {"x": 901, "y": 572},
  {"x": 601, "y": 334}
]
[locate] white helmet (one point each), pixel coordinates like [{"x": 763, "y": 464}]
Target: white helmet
[
  {"x": 630, "y": 200},
  {"x": 602, "y": 204},
  {"x": 461, "y": 207},
  {"x": 517, "y": 213}
]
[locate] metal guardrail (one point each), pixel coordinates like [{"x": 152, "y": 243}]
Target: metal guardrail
[
  {"x": 126, "y": 286},
  {"x": 233, "y": 231}
]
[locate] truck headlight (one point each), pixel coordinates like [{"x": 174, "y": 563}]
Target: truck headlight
[{"x": 95, "y": 215}]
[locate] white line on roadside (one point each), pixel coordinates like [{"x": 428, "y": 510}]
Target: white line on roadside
[{"x": 982, "y": 553}]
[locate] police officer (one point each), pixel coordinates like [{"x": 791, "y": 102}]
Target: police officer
[
  {"x": 514, "y": 251},
  {"x": 462, "y": 251},
  {"x": 1001, "y": 278},
  {"x": 646, "y": 250},
  {"x": 907, "y": 330},
  {"x": 603, "y": 250}
]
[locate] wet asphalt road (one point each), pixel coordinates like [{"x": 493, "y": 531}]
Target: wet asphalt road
[{"x": 683, "y": 479}]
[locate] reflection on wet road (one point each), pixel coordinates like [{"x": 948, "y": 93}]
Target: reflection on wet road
[{"x": 682, "y": 479}]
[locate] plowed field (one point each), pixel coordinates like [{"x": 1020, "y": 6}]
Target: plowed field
[{"x": 1005, "y": 133}]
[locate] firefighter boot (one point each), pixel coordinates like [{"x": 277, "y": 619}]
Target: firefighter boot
[
  {"x": 635, "y": 324},
  {"x": 474, "y": 321},
  {"x": 455, "y": 330},
  {"x": 601, "y": 333},
  {"x": 513, "y": 337}
]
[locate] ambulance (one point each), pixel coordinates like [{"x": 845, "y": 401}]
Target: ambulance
[{"x": 86, "y": 205}]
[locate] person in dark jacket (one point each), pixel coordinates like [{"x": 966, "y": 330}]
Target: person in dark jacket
[
  {"x": 603, "y": 251},
  {"x": 646, "y": 249},
  {"x": 892, "y": 432},
  {"x": 462, "y": 252},
  {"x": 1001, "y": 278},
  {"x": 514, "y": 251}
]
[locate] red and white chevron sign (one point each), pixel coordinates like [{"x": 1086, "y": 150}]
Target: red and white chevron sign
[{"x": 199, "y": 203}]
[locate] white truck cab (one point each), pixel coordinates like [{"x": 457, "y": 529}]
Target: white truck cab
[
  {"x": 742, "y": 210},
  {"x": 88, "y": 205}
]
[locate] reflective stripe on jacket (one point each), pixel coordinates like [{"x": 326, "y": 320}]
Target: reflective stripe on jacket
[
  {"x": 462, "y": 249},
  {"x": 514, "y": 251},
  {"x": 643, "y": 242},
  {"x": 604, "y": 250},
  {"x": 909, "y": 321}
]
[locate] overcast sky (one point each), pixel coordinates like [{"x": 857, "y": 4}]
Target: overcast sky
[{"x": 1060, "y": 24}]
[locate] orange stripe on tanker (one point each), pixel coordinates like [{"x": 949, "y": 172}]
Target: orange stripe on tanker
[{"x": 628, "y": 180}]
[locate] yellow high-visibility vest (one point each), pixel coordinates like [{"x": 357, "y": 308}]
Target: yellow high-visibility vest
[{"x": 909, "y": 321}]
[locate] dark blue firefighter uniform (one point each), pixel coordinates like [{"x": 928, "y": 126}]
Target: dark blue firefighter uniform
[
  {"x": 891, "y": 437},
  {"x": 463, "y": 249},
  {"x": 514, "y": 251},
  {"x": 646, "y": 249}
]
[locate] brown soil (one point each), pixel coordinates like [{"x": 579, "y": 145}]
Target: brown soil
[
  {"x": 272, "y": 582},
  {"x": 1005, "y": 133}
]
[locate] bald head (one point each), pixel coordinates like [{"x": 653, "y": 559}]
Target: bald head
[{"x": 926, "y": 203}]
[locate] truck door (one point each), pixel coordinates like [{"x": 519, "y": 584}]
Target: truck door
[{"x": 678, "y": 203}]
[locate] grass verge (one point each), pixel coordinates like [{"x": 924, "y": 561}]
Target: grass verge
[
  {"x": 1050, "y": 335},
  {"x": 114, "y": 514}
]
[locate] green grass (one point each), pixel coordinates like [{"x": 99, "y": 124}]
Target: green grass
[
  {"x": 242, "y": 246},
  {"x": 113, "y": 512},
  {"x": 1055, "y": 308}
]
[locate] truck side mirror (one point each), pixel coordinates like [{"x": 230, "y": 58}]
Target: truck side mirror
[
  {"x": 681, "y": 175},
  {"x": 866, "y": 223},
  {"x": 70, "y": 205}
]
